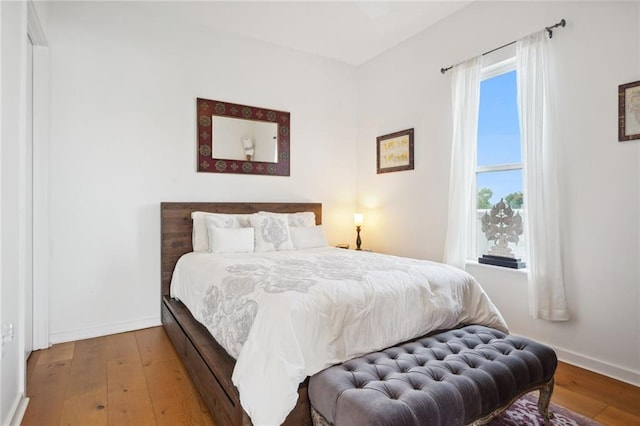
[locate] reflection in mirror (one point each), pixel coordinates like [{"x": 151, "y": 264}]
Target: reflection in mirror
[
  {"x": 238, "y": 139},
  {"x": 234, "y": 138}
]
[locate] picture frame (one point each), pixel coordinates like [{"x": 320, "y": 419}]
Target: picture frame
[
  {"x": 629, "y": 111},
  {"x": 395, "y": 151}
]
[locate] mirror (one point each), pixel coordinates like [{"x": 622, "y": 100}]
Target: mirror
[{"x": 235, "y": 138}]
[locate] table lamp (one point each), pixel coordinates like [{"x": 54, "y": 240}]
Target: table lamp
[{"x": 357, "y": 221}]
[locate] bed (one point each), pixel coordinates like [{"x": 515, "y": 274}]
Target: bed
[{"x": 218, "y": 375}]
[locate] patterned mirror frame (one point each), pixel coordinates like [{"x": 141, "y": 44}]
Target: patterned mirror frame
[{"x": 207, "y": 108}]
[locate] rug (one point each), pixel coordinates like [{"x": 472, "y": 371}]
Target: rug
[{"x": 525, "y": 412}]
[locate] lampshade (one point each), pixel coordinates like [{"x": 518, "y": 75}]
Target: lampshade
[{"x": 358, "y": 218}]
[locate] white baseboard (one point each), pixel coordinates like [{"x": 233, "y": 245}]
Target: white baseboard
[
  {"x": 597, "y": 366},
  {"x": 88, "y": 333},
  {"x": 17, "y": 410}
]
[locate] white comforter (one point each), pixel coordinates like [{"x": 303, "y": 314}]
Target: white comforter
[{"x": 286, "y": 315}]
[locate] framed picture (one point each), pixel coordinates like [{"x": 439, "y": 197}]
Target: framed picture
[
  {"x": 395, "y": 151},
  {"x": 629, "y": 111}
]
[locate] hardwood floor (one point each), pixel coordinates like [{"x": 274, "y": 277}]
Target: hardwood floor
[
  {"x": 133, "y": 378},
  {"x": 136, "y": 378}
]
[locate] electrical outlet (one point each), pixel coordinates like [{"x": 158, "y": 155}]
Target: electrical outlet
[{"x": 7, "y": 333}]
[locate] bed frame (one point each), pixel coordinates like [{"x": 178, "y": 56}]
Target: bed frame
[{"x": 208, "y": 364}]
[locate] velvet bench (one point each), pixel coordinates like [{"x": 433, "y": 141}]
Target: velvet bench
[{"x": 456, "y": 377}]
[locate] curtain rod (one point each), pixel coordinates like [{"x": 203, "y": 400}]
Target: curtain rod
[{"x": 550, "y": 29}]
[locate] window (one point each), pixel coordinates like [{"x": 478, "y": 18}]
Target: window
[{"x": 499, "y": 156}]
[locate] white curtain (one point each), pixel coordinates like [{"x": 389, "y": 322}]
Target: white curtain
[
  {"x": 547, "y": 298},
  {"x": 462, "y": 203}
]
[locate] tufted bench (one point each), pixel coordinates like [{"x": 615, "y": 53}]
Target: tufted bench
[{"x": 456, "y": 377}]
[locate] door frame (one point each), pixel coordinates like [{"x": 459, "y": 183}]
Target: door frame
[{"x": 41, "y": 186}]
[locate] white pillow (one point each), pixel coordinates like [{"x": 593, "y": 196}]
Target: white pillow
[
  {"x": 296, "y": 219},
  {"x": 200, "y": 234},
  {"x": 271, "y": 232},
  {"x": 231, "y": 240},
  {"x": 308, "y": 237}
]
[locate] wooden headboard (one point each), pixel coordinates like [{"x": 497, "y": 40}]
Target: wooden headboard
[{"x": 176, "y": 227}]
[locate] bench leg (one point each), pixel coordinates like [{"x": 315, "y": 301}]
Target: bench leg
[
  {"x": 318, "y": 419},
  {"x": 543, "y": 401}
]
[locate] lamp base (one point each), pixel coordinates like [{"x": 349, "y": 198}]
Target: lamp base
[{"x": 358, "y": 240}]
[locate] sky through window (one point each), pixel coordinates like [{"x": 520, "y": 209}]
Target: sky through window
[{"x": 499, "y": 135}]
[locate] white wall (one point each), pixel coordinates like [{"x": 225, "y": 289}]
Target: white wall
[
  {"x": 600, "y": 179},
  {"x": 638, "y": 215},
  {"x": 13, "y": 30},
  {"x": 125, "y": 78}
]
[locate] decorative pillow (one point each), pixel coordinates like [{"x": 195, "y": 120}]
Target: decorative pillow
[
  {"x": 231, "y": 240},
  {"x": 308, "y": 237},
  {"x": 296, "y": 219},
  {"x": 200, "y": 234},
  {"x": 271, "y": 232}
]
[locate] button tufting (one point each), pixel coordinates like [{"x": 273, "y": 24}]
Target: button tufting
[{"x": 432, "y": 361}]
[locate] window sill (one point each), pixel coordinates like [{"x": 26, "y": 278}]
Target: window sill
[{"x": 475, "y": 264}]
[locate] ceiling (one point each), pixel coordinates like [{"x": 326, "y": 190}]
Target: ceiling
[{"x": 348, "y": 31}]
